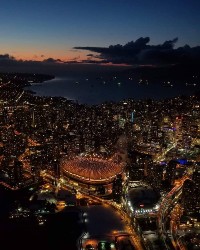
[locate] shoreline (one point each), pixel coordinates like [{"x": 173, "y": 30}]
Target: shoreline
[{"x": 95, "y": 93}]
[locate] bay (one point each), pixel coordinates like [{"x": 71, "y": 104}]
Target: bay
[{"x": 94, "y": 91}]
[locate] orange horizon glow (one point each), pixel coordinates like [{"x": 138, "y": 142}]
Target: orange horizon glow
[
  {"x": 36, "y": 52},
  {"x": 65, "y": 59},
  {"x": 24, "y": 52},
  {"x": 69, "y": 56}
]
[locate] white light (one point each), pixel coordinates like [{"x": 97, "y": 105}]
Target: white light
[
  {"x": 112, "y": 245},
  {"x": 156, "y": 207},
  {"x": 86, "y": 235}
]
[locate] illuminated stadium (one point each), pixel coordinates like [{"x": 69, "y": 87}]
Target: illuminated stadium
[
  {"x": 143, "y": 200},
  {"x": 91, "y": 170}
]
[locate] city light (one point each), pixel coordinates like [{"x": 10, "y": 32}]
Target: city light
[
  {"x": 91, "y": 169},
  {"x": 136, "y": 158}
]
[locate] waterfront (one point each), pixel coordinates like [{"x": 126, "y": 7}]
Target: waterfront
[
  {"x": 103, "y": 220},
  {"x": 96, "y": 90}
]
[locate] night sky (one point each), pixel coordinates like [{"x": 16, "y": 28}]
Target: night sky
[{"x": 41, "y": 29}]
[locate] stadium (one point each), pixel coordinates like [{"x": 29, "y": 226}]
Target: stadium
[
  {"x": 143, "y": 200},
  {"x": 91, "y": 169}
]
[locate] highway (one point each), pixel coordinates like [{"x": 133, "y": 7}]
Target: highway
[
  {"x": 162, "y": 155},
  {"x": 166, "y": 207}
]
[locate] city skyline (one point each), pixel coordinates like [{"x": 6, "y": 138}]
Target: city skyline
[
  {"x": 100, "y": 124},
  {"x": 98, "y": 177}
]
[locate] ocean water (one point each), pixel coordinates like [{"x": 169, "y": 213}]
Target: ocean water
[{"x": 93, "y": 90}]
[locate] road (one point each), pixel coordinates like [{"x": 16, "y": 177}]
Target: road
[
  {"x": 166, "y": 206},
  {"x": 161, "y": 156},
  {"x": 134, "y": 237}
]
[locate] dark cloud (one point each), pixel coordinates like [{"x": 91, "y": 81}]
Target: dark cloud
[
  {"x": 11, "y": 64},
  {"x": 51, "y": 66},
  {"x": 140, "y": 52},
  {"x": 52, "y": 60},
  {"x": 74, "y": 59},
  {"x": 6, "y": 57},
  {"x": 137, "y": 52},
  {"x": 94, "y": 61}
]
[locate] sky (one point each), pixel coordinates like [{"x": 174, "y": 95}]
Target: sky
[{"x": 42, "y": 29}]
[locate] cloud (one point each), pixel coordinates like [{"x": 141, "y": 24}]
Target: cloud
[
  {"x": 52, "y": 60},
  {"x": 8, "y": 60},
  {"x": 94, "y": 61},
  {"x": 6, "y": 57},
  {"x": 92, "y": 55},
  {"x": 140, "y": 52},
  {"x": 9, "y": 63},
  {"x": 74, "y": 59}
]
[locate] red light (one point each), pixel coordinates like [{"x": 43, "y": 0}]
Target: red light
[{"x": 141, "y": 205}]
